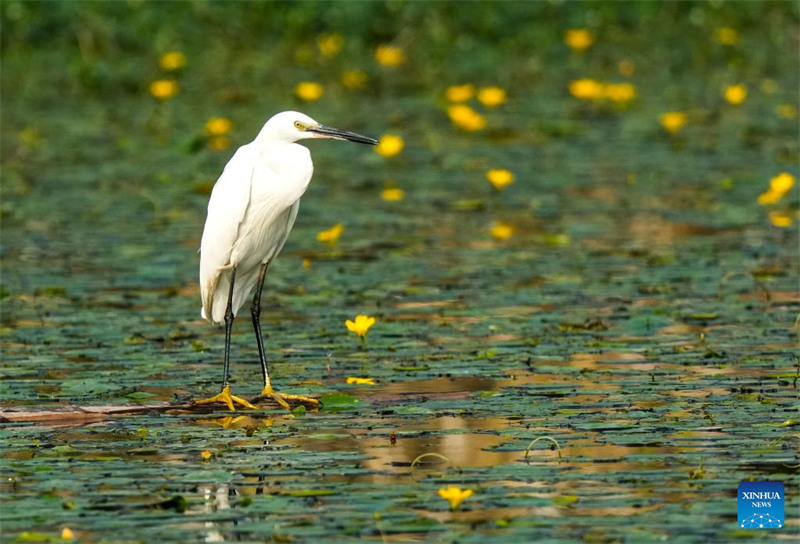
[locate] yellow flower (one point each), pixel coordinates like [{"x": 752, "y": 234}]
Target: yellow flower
[
  {"x": 360, "y": 381},
  {"x": 786, "y": 111},
  {"x": 460, "y": 93},
  {"x": 218, "y": 126},
  {"x": 769, "y": 197},
  {"x": 389, "y": 145},
  {"x": 780, "y": 219},
  {"x": 778, "y": 187},
  {"x": 466, "y": 118},
  {"x": 782, "y": 183},
  {"x": 673, "y": 121},
  {"x": 206, "y": 455},
  {"x": 354, "y": 79},
  {"x": 392, "y": 194},
  {"x": 308, "y": 91},
  {"x": 500, "y": 178},
  {"x": 501, "y": 231},
  {"x": 578, "y": 39},
  {"x": 164, "y": 89},
  {"x": 455, "y": 496},
  {"x": 389, "y": 55},
  {"x": 360, "y": 327},
  {"x": 174, "y": 60},
  {"x": 726, "y": 36},
  {"x": 735, "y": 94},
  {"x": 330, "y": 236},
  {"x": 619, "y": 92},
  {"x": 67, "y": 534},
  {"x": 330, "y": 44},
  {"x": 587, "y": 89},
  {"x": 491, "y": 97},
  {"x": 218, "y": 143},
  {"x": 306, "y": 263}
]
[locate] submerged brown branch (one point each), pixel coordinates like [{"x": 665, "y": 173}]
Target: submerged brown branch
[{"x": 81, "y": 415}]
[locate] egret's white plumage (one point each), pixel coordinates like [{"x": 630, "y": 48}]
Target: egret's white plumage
[
  {"x": 251, "y": 212},
  {"x": 252, "y": 209}
]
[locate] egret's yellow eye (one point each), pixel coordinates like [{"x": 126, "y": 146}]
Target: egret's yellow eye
[{"x": 299, "y": 125}]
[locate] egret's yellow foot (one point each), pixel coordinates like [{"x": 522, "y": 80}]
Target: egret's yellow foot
[
  {"x": 226, "y": 397},
  {"x": 281, "y": 398}
]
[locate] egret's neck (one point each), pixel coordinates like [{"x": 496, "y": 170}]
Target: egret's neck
[{"x": 290, "y": 160}]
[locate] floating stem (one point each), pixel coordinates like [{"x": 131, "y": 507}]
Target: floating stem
[{"x": 535, "y": 440}]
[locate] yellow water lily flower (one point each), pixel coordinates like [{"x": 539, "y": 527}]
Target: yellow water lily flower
[
  {"x": 587, "y": 89},
  {"x": 218, "y": 126},
  {"x": 360, "y": 381},
  {"x": 309, "y": 91},
  {"x": 619, "y": 92},
  {"x": 578, "y": 39},
  {"x": 360, "y": 327},
  {"x": 171, "y": 61},
  {"x": 735, "y": 94},
  {"x": 164, "y": 89},
  {"x": 778, "y": 187},
  {"x": 466, "y": 118},
  {"x": 354, "y": 79},
  {"x": 330, "y": 236},
  {"x": 500, "y": 178},
  {"x": 460, "y": 93},
  {"x": 389, "y": 145},
  {"x": 67, "y": 534},
  {"x": 491, "y": 97},
  {"x": 673, "y": 121},
  {"x": 782, "y": 183},
  {"x": 389, "y": 55},
  {"x": 780, "y": 219},
  {"x": 393, "y": 194},
  {"x": 501, "y": 231},
  {"x": 206, "y": 455},
  {"x": 786, "y": 111},
  {"x": 330, "y": 44},
  {"x": 726, "y": 36},
  {"x": 455, "y": 496},
  {"x": 768, "y": 197}
]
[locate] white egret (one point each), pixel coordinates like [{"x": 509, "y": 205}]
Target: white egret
[{"x": 251, "y": 211}]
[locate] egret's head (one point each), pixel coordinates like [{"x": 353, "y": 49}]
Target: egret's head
[{"x": 290, "y": 126}]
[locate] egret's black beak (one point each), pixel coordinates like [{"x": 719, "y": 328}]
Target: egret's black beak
[{"x": 336, "y": 134}]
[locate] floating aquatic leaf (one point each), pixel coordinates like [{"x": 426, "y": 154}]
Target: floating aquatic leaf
[
  {"x": 336, "y": 402},
  {"x": 310, "y": 492},
  {"x": 411, "y": 368},
  {"x": 565, "y": 500}
]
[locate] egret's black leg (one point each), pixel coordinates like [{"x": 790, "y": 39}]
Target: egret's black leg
[
  {"x": 255, "y": 314},
  {"x": 225, "y": 394},
  {"x": 228, "y": 330}
]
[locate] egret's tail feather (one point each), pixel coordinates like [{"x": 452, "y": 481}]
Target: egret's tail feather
[{"x": 215, "y": 295}]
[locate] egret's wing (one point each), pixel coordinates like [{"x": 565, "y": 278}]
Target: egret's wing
[
  {"x": 266, "y": 227},
  {"x": 227, "y": 209},
  {"x": 250, "y": 214},
  {"x": 263, "y": 234}
]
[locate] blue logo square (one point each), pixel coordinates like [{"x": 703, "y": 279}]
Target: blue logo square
[{"x": 761, "y": 505}]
